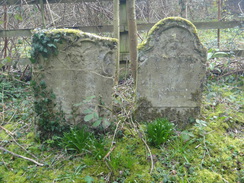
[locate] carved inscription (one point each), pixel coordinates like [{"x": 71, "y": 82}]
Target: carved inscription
[
  {"x": 172, "y": 67},
  {"x": 83, "y": 68}
]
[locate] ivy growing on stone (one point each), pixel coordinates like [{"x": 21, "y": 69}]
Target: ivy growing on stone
[
  {"x": 45, "y": 45},
  {"x": 49, "y": 122}
]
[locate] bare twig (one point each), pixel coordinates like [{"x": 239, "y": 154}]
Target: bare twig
[
  {"x": 239, "y": 4},
  {"x": 53, "y": 23},
  {"x": 104, "y": 158},
  {"x": 6, "y": 130},
  {"x": 12, "y": 136},
  {"x": 115, "y": 132},
  {"x": 144, "y": 141},
  {"x": 150, "y": 154},
  {"x": 230, "y": 73},
  {"x": 19, "y": 156}
]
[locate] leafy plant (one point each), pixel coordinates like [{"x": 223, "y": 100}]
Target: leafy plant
[
  {"x": 49, "y": 122},
  {"x": 5, "y": 61},
  {"x": 214, "y": 53},
  {"x": 77, "y": 140},
  {"x": 92, "y": 115},
  {"x": 83, "y": 141},
  {"x": 44, "y": 45},
  {"x": 159, "y": 131}
]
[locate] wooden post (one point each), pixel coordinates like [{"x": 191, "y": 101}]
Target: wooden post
[
  {"x": 124, "y": 45},
  {"x": 5, "y": 19},
  {"x": 132, "y": 27},
  {"x": 117, "y": 35},
  {"x": 43, "y": 15},
  {"x": 219, "y": 18},
  {"x": 5, "y": 47}
]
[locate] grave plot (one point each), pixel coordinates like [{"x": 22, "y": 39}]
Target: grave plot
[
  {"x": 171, "y": 73},
  {"x": 73, "y": 77}
]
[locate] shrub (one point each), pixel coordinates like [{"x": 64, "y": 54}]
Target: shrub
[{"x": 159, "y": 131}]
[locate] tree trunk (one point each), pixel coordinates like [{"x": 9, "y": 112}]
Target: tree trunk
[{"x": 132, "y": 28}]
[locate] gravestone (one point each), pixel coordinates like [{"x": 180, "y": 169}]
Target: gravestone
[
  {"x": 79, "y": 78},
  {"x": 171, "y": 73}
]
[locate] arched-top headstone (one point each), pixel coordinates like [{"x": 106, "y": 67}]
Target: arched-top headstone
[
  {"x": 83, "y": 68},
  {"x": 171, "y": 72}
]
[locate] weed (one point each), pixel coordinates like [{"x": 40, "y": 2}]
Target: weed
[
  {"x": 72, "y": 176},
  {"x": 159, "y": 131},
  {"x": 84, "y": 142},
  {"x": 91, "y": 114}
]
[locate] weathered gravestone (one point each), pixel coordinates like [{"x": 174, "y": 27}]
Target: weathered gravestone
[
  {"x": 171, "y": 72},
  {"x": 73, "y": 78}
]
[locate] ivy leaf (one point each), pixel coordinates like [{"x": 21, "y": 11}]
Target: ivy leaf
[
  {"x": 97, "y": 123},
  {"x": 51, "y": 45},
  {"x": 45, "y": 50},
  {"x": 106, "y": 123},
  {"x": 185, "y": 135},
  {"x": 221, "y": 54},
  {"x": 88, "y": 111},
  {"x": 89, "y": 117},
  {"x": 88, "y": 179},
  {"x": 88, "y": 99},
  {"x": 32, "y": 60},
  {"x": 78, "y": 104}
]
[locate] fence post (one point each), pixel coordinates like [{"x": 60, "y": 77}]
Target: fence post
[
  {"x": 124, "y": 45},
  {"x": 117, "y": 35},
  {"x": 219, "y": 18},
  {"x": 132, "y": 28},
  {"x": 43, "y": 15}
]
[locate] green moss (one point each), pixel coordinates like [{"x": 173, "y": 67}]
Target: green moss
[
  {"x": 14, "y": 177},
  {"x": 3, "y": 134},
  {"x": 75, "y": 32},
  {"x": 208, "y": 176},
  {"x": 180, "y": 22}
]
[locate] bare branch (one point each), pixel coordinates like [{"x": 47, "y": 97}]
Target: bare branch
[{"x": 19, "y": 156}]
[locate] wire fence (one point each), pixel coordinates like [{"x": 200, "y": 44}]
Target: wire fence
[{"x": 23, "y": 14}]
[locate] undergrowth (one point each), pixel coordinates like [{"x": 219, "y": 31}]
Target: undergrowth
[{"x": 210, "y": 151}]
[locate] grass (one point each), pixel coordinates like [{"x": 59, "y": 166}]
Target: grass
[
  {"x": 210, "y": 151},
  {"x": 159, "y": 131}
]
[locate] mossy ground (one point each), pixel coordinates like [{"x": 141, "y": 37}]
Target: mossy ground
[{"x": 210, "y": 151}]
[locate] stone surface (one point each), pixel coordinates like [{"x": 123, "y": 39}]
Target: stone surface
[
  {"x": 171, "y": 72},
  {"x": 84, "y": 66}
]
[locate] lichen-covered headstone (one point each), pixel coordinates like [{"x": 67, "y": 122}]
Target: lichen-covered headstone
[
  {"x": 75, "y": 72},
  {"x": 171, "y": 72}
]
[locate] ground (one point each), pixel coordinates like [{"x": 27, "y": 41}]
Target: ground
[{"x": 211, "y": 150}]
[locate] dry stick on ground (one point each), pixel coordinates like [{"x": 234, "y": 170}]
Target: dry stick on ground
[
  {"x": 107, "y": 155},
  {"x": 12, "y": 136},
  {"x": 230, "y": 73},
  {"x": 17, "y": 155},
  {"x": 143, "y": 140},
  {"x": 6, "y": 130}
]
